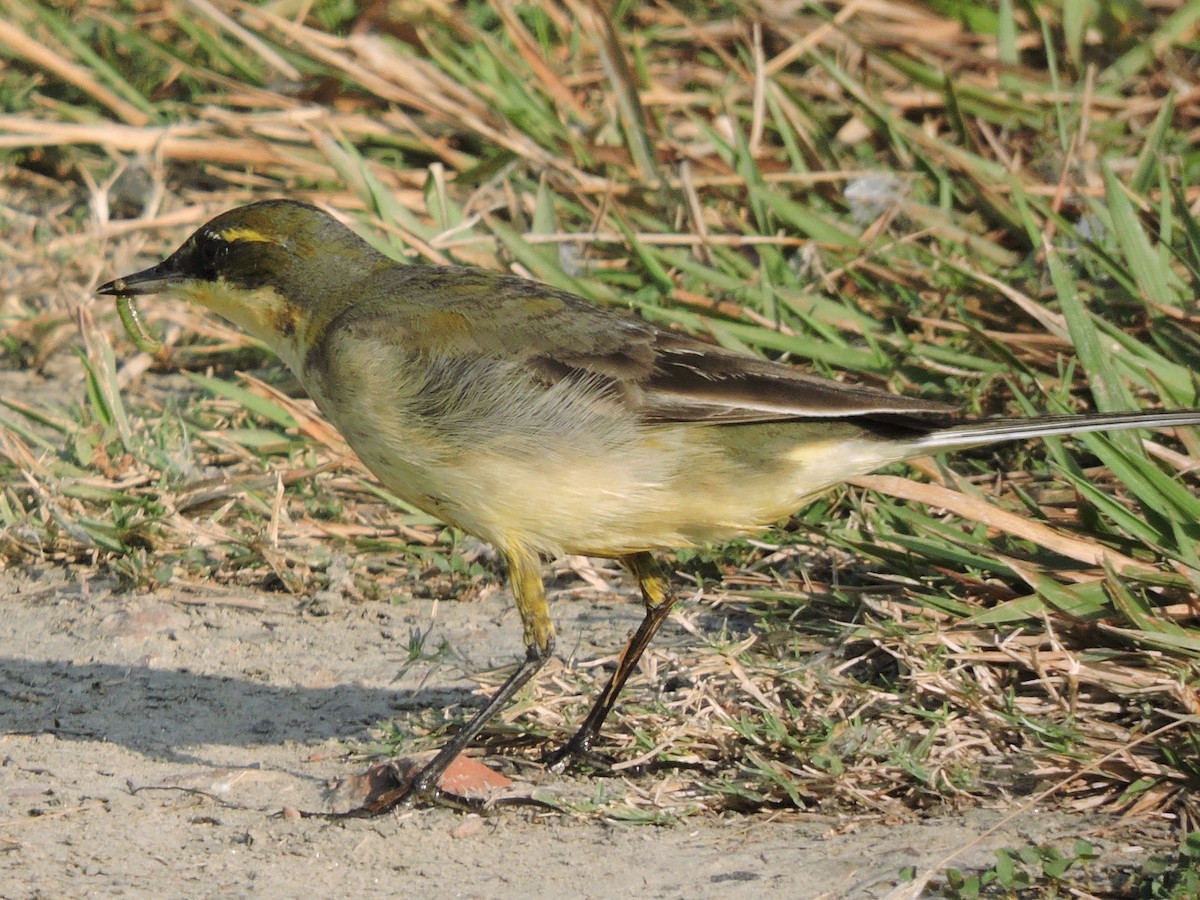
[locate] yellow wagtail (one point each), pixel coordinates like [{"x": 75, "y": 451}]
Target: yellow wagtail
[{"x": 546, "y": 425}]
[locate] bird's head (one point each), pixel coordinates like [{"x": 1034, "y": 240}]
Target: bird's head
[{"x": 267, "y": 267}]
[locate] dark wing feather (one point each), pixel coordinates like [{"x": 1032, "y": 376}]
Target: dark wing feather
[
  {"x": 659, "y": 375},
  {"x": 696, "y": 382},
  {"x": 666, "y": 377}
]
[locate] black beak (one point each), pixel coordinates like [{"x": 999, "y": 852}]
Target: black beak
[{"x": 149, "y": 281}]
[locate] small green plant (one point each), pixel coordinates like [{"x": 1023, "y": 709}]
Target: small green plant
[
  {"x": 1046, "y": 869},
  {"x": 418, "y": 652},
  {"x": 1173, "y": 878}
]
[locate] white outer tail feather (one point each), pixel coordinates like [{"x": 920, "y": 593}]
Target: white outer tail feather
[{"x": 991, "y": 431}]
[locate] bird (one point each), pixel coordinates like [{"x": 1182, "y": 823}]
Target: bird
[{"x": 544, "y": 424}]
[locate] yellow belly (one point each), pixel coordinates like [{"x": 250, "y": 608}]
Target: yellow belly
[
  {"x": 677, "y": 486},
  {"x": 567, "y": 468}
]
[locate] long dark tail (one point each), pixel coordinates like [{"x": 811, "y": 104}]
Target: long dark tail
[{"x": 987, "y": 431}]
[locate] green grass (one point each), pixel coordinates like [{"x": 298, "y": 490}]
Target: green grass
[
  {"x": 993, "y": 205},
  {"x": 1052, "y": 871}
]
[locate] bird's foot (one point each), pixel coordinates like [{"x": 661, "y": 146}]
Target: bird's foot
[
  {"x": 464, "y": 783},
  {"x": 575, "y": 752},
  {"x": 399, "y": 784}
]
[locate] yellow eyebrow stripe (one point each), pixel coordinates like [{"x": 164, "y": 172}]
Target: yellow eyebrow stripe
[{"x": 245, "y": 234}]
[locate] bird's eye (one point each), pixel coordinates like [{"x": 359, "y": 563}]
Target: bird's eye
[{"x": 211, "y": 252}]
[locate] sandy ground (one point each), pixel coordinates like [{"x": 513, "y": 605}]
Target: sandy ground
[{"x": 175, "y": 745}]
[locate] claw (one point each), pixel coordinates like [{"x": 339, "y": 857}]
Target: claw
[{"x": 573, "y": 752}]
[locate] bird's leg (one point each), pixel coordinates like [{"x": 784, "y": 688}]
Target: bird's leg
[
  {"x": 658, "y": 599},
  {"x": 525, "y": 578}
]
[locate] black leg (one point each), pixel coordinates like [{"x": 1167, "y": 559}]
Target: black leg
[
  {"x": 526, "y": 581},
  {"x": 658, "y": 599},
  {"x": 425, "y": 783}
]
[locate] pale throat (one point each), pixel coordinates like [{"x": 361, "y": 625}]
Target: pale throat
[{"x": 263, "y": 313}]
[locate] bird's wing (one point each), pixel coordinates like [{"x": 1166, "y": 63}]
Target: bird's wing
[
  {"x": 694, "y": 381},
  {"x": 658, "y": 375},
  {"x": 668, "y": 377},
  {"x": 673, "y": 378}
]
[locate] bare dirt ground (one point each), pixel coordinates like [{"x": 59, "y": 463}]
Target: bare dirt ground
[{"x": 170, "y": 744}]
